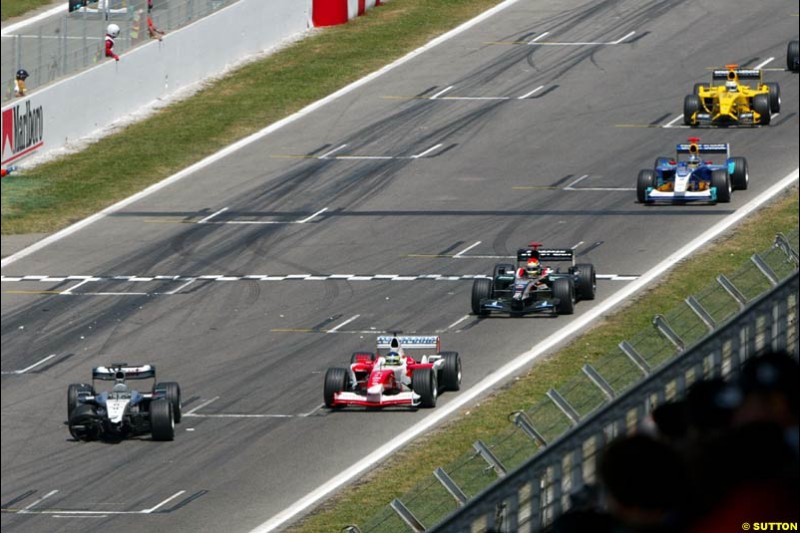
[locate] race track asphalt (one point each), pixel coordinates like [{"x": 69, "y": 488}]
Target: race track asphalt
[{"x": 506, "y": 170}]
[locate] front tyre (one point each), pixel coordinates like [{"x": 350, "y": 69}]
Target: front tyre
[
  {"x": 171, "y": 391},
  {"x": 691, "y": 105},
  {"x": 423, "y": 383},
  {"x": 646, "y": 180},
  {"x": 586, "y": 284},
  {"x": 564, "y": 292},
  {"x": 162, "y": 421},
  {"x": 335, "y": 382},
  {"x": 481, "y": 290},
  {"x": 74, "y": 392},
  {"x": 740, "y": 177},
  {"x": 761, "y": 106},
  {"x": 450, "y": 375},
  {"x": 722, "y": 182},
  {"x": 774, "y": 97}
]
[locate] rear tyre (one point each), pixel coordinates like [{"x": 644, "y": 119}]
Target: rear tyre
[
  {"x": 721, "y": 180},
  {"x": 774, "y": 96},
  {"x": 450, "y": 375},
  {"x": 335, "y": 382},
  {"x": 586, "y": 285},
  {"x": 564, "y": 292},
  {"x": 162, "y": 421},
  {"x": 740, "y": 177},
  {"x": 362, "y": 357},
  {"x": 761, "y": 106},
  {"x": 691, "y": 105},
  {"x": 171, "y": 391},
  {"x": 792, "y": 54},
  {"x": 481, "y": 290},
  {"x": 74, "y": 391},
  {"x": 423, "y": 382},
  {"x": 646, "y": 180}
]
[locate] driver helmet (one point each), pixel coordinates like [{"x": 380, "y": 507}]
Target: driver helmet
[
  {"x": 533, "y": 268},
  {"x": 392, "y": 359},
  {"x": 112, "y": 30},
  {"x": 694, "y": 161},
  {"x": 731, "y": 86}
]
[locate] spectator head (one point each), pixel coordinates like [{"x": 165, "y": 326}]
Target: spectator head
[
  {"x": 770, "y": 391},
  {"x": 22, "y": 74},
  {"x": 711, "y": 404}
]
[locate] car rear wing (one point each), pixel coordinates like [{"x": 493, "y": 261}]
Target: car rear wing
[
  {"x": 426, "y": 342},
  {"x": 551, "y": 254},
  {"x": 736, "y": 74},
  {"x": 695, "y": 148},
  {"x": 123, "y": 371}
]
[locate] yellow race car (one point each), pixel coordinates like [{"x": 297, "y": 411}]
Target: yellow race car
[{"x": 732, "y": 102}]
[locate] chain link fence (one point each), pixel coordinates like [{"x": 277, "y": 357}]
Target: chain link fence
[
  {"x": 559, "y": 438},
  {"x": 60, "y": 46}
]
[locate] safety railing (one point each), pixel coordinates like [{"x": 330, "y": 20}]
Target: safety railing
[
  {"x": 521, "y": 479},
  {"x": 63, "y": 45}
]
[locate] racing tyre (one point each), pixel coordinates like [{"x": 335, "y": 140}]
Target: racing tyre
[
  {"x": 450, "y": 375},
  {"x": 335, "y": 381},
  {"x": 74, "y": 391},
  {"x": 564, "y": 292},
  {"x": 646, "y": 179},
  {"x": 697, "y": 87},
  {"x": 792, "y": 54},
  {"x": 691, "y": 105},
  {"x": 721, "y": 180},
  {"x": 481, "y": 290},
  {"x": 172, "y": 392},
  {"x": 774, "y": 97},
  {"x": 740, "y": 177},
  {"x": 761, "y": 106},
  {"x": 586, "y": 285},
  {"x": 83, "y": 423},
  {"x": 162, "y": 421},
  {"x": 503, "y": 269},
  {"x": 423, "y": 382},
  {"x": 362, "y": 357}
]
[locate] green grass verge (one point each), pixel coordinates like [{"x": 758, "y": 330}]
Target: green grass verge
[
  {"x": 362, "y": 501},
  {"x": 15, "y": 8},
  {"x": 246, "y": 101}
]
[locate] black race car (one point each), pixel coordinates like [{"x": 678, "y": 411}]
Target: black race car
[
  {"x": 123, "y": 411},
  {"x": 532, "y": 288}
]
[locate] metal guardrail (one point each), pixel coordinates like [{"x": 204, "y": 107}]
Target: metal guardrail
[
  {"x": 550, "y": 451},
  {"x": 60, "y": 46}
]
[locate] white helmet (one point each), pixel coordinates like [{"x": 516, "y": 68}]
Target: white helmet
[
  {"x": 732, "y": 86},
  {"x": 112, "y": 30}
]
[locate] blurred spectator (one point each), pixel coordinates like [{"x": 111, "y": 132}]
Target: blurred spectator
[
  {"x": 645, "y": 482},
  {"x": 19, "y": 82},
  {"x": 6, "y": 171},
  {"x": 112, "y": 32},
  {"x": 152, "y": 30},
  {"x": 769, "y": 386}
]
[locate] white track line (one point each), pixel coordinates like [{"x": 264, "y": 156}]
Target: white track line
[
  {"x": 440, "y": 93},
  {"x": 465, "y": 250},
  {"x": 34, "y": 365},
  {"x": 41, "y": 16},
  {"x": 148, "y": 511},
  {"x": 212, "y": 215},
  {"x": 326, "y": 154},
  {"x": 618, "y": 41},
  {"x": 69, "y": 291},
  {"x": 539, "y": 37},
  {"x": 764, "y": 63},
  {"x": 303, "y": 221},
  {"x": 37, "y": 502},
  {"x": 188, "y": 171},
  {"x": 457, "y": 322},
  {"x": 332, "y": 330},
  {"x": 426, "y": 152},
  {"x": 475, "y": 98},
  {"x": 580, "y": 243},
  {"x": 673, "y": 121},
  {"x": 204, "y": 404},
  {"x": 536, "y": 90},
  {"x": 567, "y": 332},
  {"x": 179, "y": 289},
  {"x": 571, "y": 185},
  {"x": 580, "y": 189},
  {"x": 588, "y": 43}
]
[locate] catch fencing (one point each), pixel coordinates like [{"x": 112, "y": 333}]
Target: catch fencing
[
  {"x": 60, "y": 46},
  {"x": 522, "y": 479}
]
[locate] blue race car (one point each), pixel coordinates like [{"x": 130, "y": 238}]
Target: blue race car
[{"x": 690, "y": 178}]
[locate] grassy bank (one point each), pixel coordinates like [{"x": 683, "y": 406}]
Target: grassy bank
[
  {"x": 364, "y": 499},
  {"x": 56, "y": 194},
  {"x": 15, "y": 8}
]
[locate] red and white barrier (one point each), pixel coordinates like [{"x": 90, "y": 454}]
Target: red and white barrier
[{"x": 332, "y": 12}]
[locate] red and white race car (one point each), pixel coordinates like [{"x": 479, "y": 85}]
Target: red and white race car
[{"x": 392, "y": 377}]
